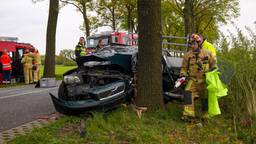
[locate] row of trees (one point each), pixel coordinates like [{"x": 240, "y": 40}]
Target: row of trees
[{"x": 179, "y": 17}]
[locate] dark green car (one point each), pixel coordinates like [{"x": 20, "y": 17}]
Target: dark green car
[{"x": 105, "y": 79}]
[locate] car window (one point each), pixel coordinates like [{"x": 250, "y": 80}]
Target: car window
[{"x": 19, "y": 53}]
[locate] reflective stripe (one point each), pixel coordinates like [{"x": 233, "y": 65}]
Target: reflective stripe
[
  {"x": 83, "y": 53},
  {"x": 188, "y": 112},
  {"x": 8, "y": 65}
]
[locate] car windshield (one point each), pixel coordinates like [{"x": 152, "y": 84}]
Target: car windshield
[{"x": 93, "y": 42}]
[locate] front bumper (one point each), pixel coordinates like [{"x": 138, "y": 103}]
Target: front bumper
[{"x": 82, "y": 106}]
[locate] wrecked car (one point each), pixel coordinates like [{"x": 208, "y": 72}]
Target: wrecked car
[{"x": 105, "y": 79}]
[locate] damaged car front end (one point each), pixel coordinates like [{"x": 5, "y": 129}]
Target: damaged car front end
[
  {"x": 105, "y": 79},
  {"x": 101, "y": 82}
]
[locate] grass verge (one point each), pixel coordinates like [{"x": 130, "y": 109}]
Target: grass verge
[
  {"x": 123, "y": 126},
  {"x": 59, "y": 70}
]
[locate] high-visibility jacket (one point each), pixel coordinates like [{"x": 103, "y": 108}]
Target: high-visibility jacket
[
  {"x": 208, "y": 46},
  {"x": 216, "y": 89},
  {"x": 79, "y": 48},
  {"x": 196, "y": 64},
  {"x": 83, "y": 52},
  {"x": 37, "y": 59},
  {"x": 27, "y": 60},
  {"x": 6, "y": 62}
]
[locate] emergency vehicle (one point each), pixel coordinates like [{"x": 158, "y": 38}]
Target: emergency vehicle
[
  {"x": 112, "y": 38},
  {"x": 15, "y": 51}
]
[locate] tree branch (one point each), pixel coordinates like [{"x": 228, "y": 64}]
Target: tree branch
[
  {"x": 72, "y": 2},
  {"x": 178, "y": 10},
  {"x": 208, "y": 24}
]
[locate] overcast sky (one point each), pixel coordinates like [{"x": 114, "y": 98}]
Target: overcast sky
[{"x": 28, "y": 22}]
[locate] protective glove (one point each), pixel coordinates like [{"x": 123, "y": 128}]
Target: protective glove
[{"x": 179, "y": 82}]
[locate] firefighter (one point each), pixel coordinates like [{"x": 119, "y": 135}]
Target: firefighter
[
  {"x": 27, "y": 66},
  {"x": 6, "y": 67},
  {"x": 36, "y": 66},
  {"x": 196, "y": 63},
  {"x": 80, "y": 49},
  {"x": 204, "y": 44}
]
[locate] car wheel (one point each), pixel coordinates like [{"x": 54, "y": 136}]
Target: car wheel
[{"x": 63, "y": 94}]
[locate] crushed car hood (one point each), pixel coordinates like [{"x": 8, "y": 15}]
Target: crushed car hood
[{"x": 124, "y": 56}]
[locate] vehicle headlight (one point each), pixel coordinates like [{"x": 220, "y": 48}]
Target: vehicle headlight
[{"x": 71, "y": 79}]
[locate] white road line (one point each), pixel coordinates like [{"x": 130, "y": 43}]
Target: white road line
[{"x": 31, "y": 92}]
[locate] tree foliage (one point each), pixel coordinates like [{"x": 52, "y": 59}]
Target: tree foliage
[
  {"x": 128, "y": 10},
  {"x": 68, "y": 54},
  {"x": 108, "y": 13},
  {"x": 116, "y": 14},
  {"x": 205, "y": 16}
]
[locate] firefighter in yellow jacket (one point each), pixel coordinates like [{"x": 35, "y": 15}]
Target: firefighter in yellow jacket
[
  {"x": 27, "y": 66},
  {"x": 204, "y": 43},
  {"x": 36, "y": 66},
  {"x": 195, "y": 64}
]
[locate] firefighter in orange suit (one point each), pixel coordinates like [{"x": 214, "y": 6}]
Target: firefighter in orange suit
[
  {"x": 27, "y": 66},
  {"x": 195, "y": 64},
  {"x": 6, "y": 67}
]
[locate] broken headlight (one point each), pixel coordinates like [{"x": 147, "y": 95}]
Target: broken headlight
[{"x": 72, "y": 79}]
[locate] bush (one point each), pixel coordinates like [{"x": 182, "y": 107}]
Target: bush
[
  {"x": 60, "y": 60},
  {"x": 241, "y": 101}
]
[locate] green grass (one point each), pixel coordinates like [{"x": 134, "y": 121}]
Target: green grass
[
  {"x": 123, "y": 126},
  {"x": 59, "y": 70}
]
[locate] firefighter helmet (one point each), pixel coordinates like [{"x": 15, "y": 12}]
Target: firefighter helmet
[{"x": 197, "y": 38}]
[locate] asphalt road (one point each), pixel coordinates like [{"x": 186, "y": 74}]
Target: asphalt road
[{"x": 23, "y": 104}]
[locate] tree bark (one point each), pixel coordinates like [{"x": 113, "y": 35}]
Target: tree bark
[
  {"x": 113, "y": 19},
  {"x": 49, "y": 69},
  {"x": 129, "y": 18},
  {"x": 187, "y": 17},
  {"x": 150, "y": 55},
  {"x": 86, "y": 20}
]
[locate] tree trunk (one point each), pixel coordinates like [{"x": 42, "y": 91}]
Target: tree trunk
[
  {"x": 193, "y": 19},
  {"x": 129, "y": 18},
  {"x": 86, "y": 20},
  {"x": 187, "y": 17},
  {"x": 49, "y": 69},
  {"x": 150, "y": 55},
  {"x": 113, "y": 19}
]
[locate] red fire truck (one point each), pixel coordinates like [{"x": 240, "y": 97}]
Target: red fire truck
[
  {"x": 112, "y": 38},
  {"x": 15, "y": 51}
]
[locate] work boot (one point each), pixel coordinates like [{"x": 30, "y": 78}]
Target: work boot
[
  {"x": 205, "y": 118},
  {"x": 186, "y": 118}
]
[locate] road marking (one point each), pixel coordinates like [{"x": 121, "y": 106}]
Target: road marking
[{"x": 36, "y": 91}]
